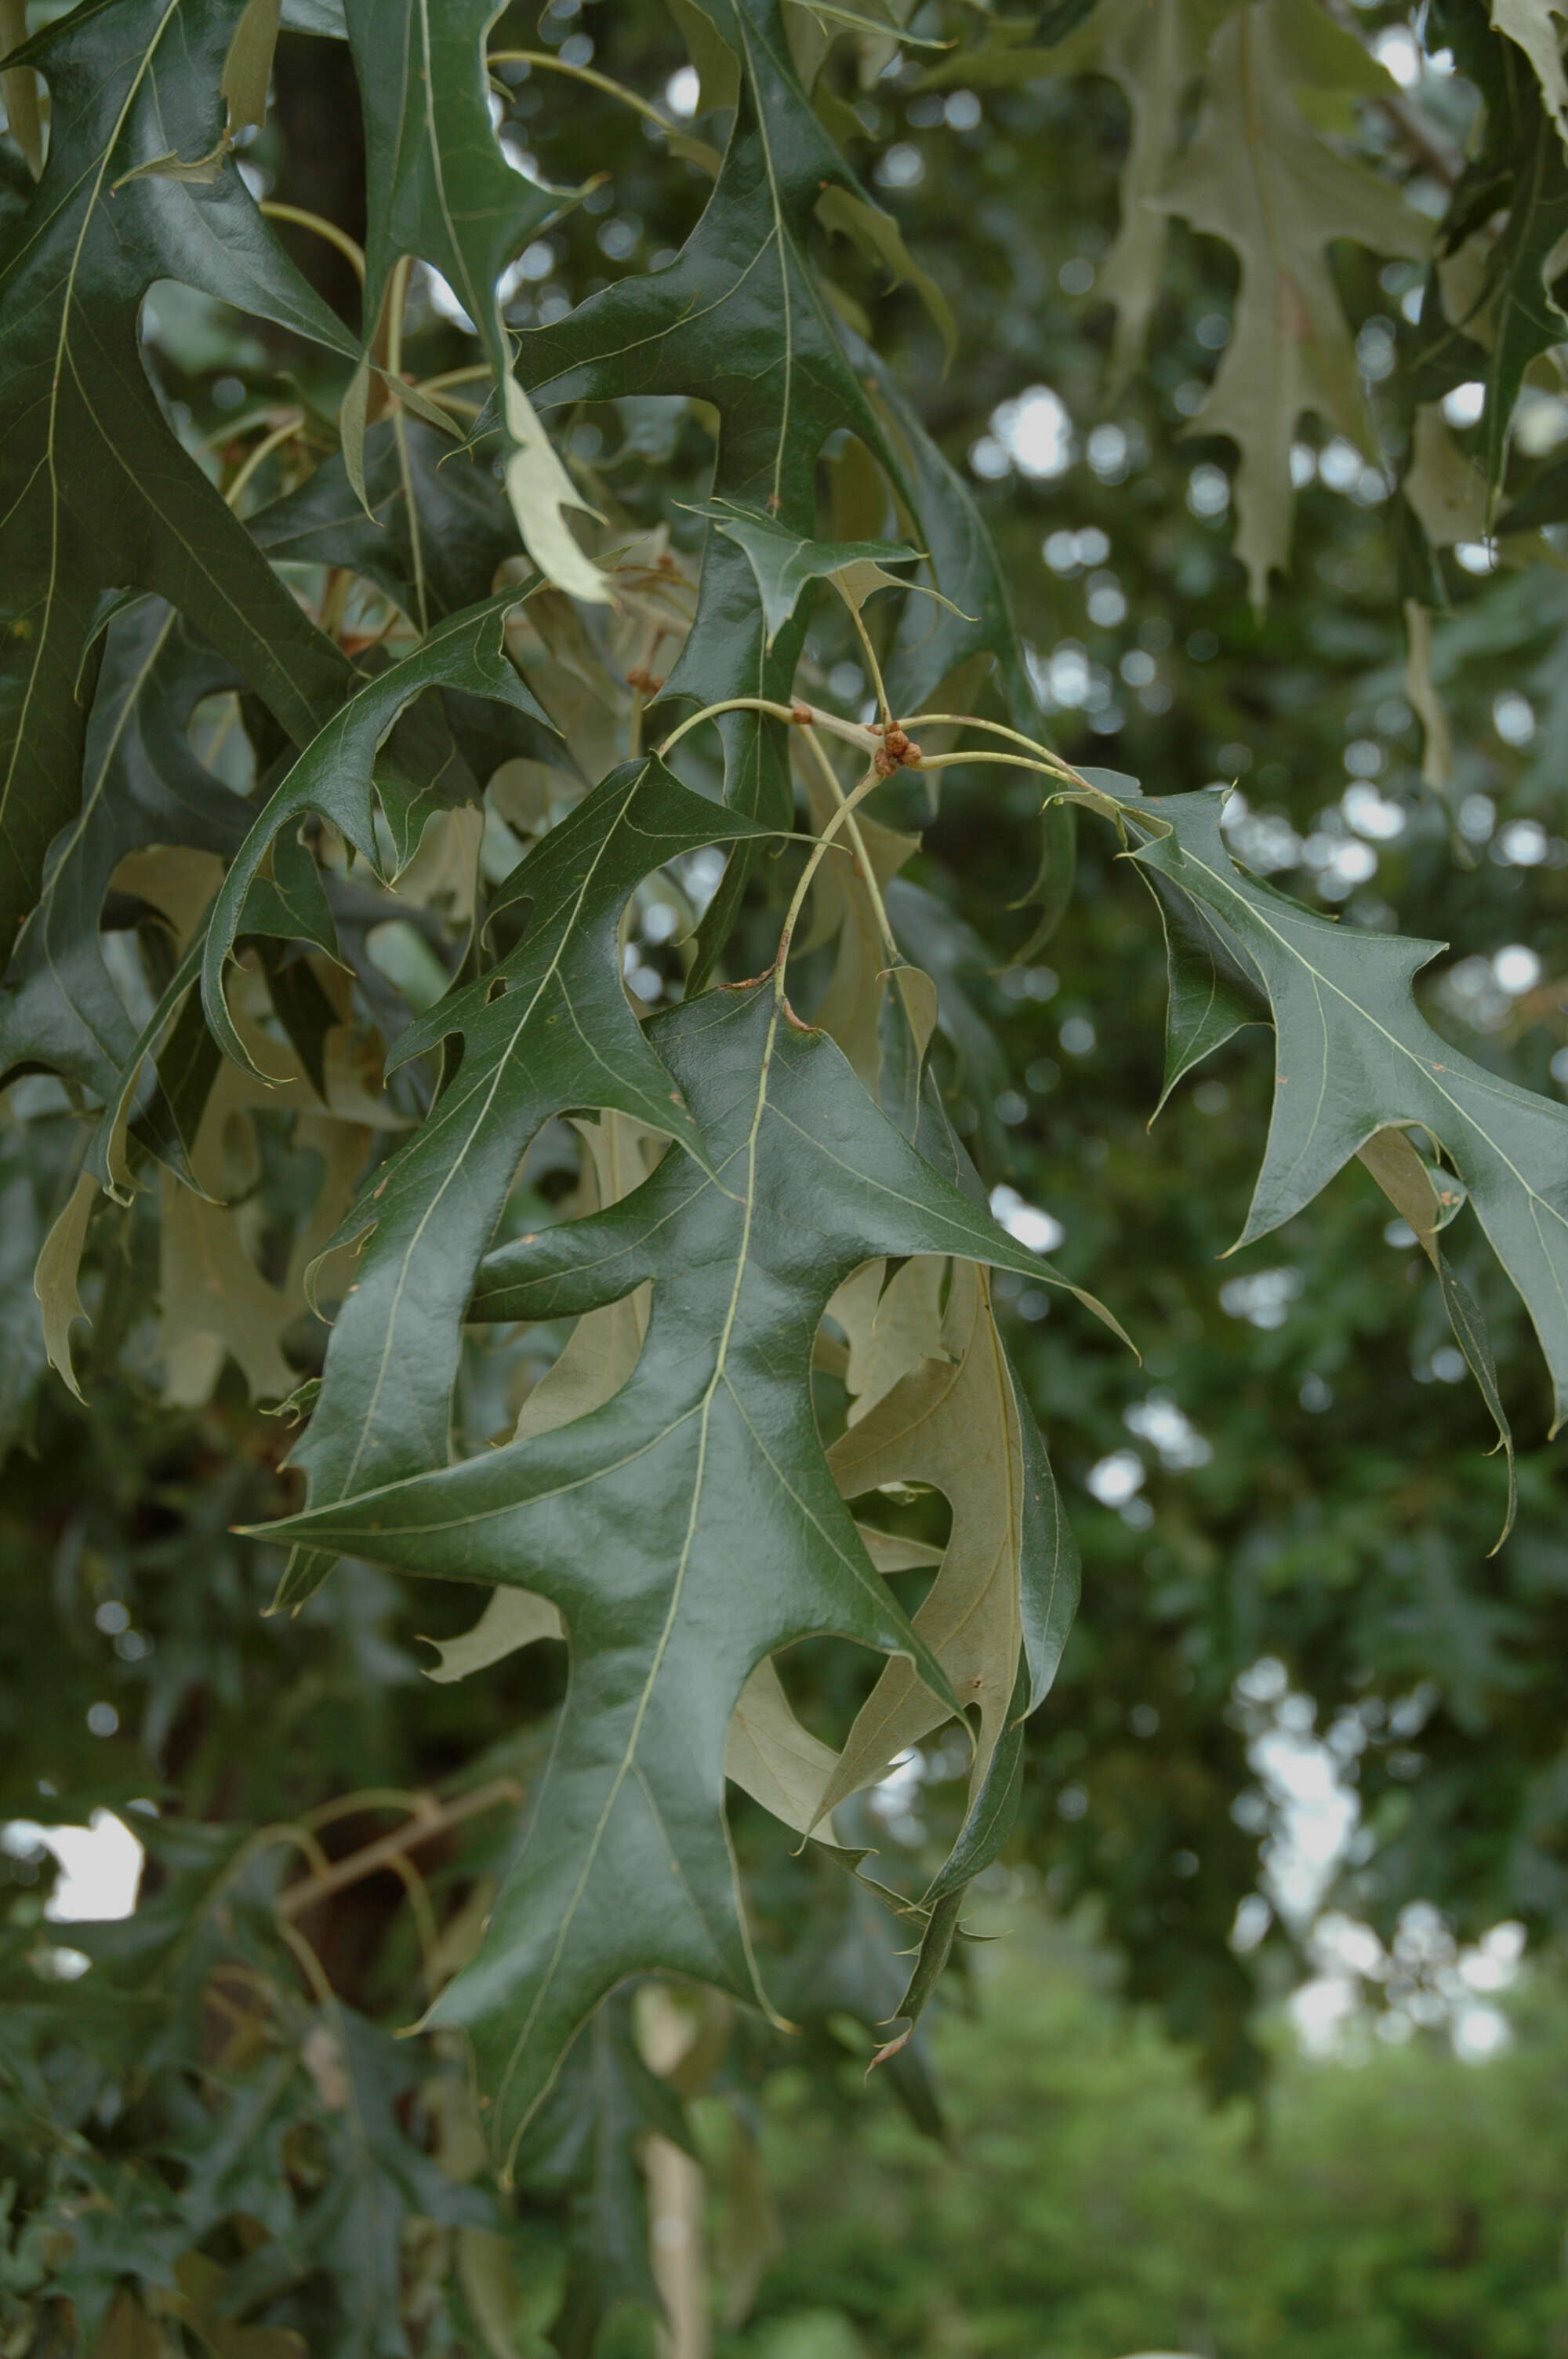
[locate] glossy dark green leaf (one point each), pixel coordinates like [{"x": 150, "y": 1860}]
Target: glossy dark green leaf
[
  {"x": 106, "y": 1153},
  {"x": 784, "y": 562},
  {"x": 1520, "y": 172},
  {"x": 1355, "y": 1056},
  {"x": 852, "y": 1959},
  {"x": 30, "y": 1175},
  {"x": 438, "y": 187},
  {"x": 946, "y": 948},
  {"x": 584, "y": 2146},
  {"x": 973, "y": 630},
  {"x": 1429, "y": 1199},
  {"x": 987, "y": 1823},
  {"x": 292, "y": 902},
  {"x": 936, "y": 640},
  {"x": 356, "y": 2098},
  {"x": 1543, "y": 502},
  {"x": 433, "y": 526},
  {"x": 378, "y": 2181},
  {"x": 990, "y": 1816},
  {"x": 141, "y": 785},
  {"x": 931, "y": 1956},
  {"x": 337, "y": 775},
  {"x": 102, "y": 496},
  {"x": 549, "y": 1029},
  {"x": 635, "y": 1518},
  {"x": 740, "y": 318},
  {"x": 1528, "y": 320},
  {"x": 1049, "y": 1564},
  {"x": 1213, "y": 990}
]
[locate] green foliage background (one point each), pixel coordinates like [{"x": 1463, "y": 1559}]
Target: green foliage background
[{"x": 1087, "y": 2202}]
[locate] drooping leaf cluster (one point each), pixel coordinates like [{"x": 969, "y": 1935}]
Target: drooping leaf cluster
[{"x": 356, "y": 834}]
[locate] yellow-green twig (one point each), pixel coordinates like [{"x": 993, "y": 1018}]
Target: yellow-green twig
[
  {"x": 352, "y": 252},
  {"x": 865, "y": 637},
  {"x": 596, "y": 81},
  {"x": 993, "y": 728},
  {"x": 263, "y": 451},
  {"x": 853, "y": 733}
]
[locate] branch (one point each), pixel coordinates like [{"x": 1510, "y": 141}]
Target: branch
[{"x": 430, "y": 1818}]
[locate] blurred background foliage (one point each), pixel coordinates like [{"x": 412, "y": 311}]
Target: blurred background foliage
[
  {"x": 1292, "y": 1632},
  {"x": 1085, "y": 2202}
]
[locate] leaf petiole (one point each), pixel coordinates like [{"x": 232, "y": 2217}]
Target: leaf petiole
[
  {"x": 993, "y": 728},
  {"x": 274, "y": 208},
  {"x": 611, "y": 88},
  {"x": 280, "y": 434},
  {"x": 842, "y": 817},
  {"x": 871, "y": 654},
  {"x": 858, "y": 841},
  {"x": 1051, "y": 768}
]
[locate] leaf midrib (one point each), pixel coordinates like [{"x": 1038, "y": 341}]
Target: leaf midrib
[
  {"x": 784, "y": 270},
  {"x": 62, "y": 350},
  {"x": 628, "y": 1760}
]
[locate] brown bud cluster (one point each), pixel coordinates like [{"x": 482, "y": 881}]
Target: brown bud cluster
[
  {"x": 898, "y": 749},
  {"x": 640, "y": 677}
]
